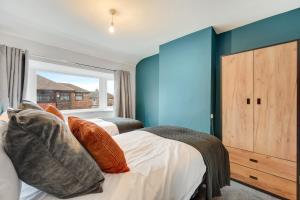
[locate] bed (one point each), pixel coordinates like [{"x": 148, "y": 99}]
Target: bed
[
  {"x": 118, "y": 125},
  {"x": 165, "y": 163}
]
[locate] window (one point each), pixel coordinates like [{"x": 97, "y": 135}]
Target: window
[
  {"x": 70, "y": 89},
  {"x": 63, "y": 96},
  {"x": 79, "y": 96},
  {"x": 45, "y": 96},
  {"x": 110, "y": 93},
  {"x": 94, "y": 96}
]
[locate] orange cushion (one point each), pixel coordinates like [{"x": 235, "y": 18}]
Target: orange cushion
[
  {"x": 55, "y": 111},
  {"x": 102, "y": 147}
]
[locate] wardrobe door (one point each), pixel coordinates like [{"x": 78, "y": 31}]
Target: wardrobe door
[
  {"x": 237, "y": 100},
  {"x": 275, "y": 93}
]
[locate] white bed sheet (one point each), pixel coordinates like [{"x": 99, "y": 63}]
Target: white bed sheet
[{"x": 160, "y": 169}]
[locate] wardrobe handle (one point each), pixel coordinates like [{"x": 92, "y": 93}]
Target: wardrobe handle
[
  {"x": 258, "y": 101},
  {"x": 253, "y": 160},
  {"x": 253, "y": 177},
  {"x": 248, "y": 100}
]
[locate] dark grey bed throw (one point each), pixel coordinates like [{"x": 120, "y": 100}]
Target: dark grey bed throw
[
  {"x": 125, "y": 124},
  {"x": 212, "y": 150}
]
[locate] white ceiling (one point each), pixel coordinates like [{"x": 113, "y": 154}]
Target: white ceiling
[{"x": 141, "y": 25}]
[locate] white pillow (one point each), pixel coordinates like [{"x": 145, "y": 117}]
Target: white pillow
[{"x": 10, "y": 185}]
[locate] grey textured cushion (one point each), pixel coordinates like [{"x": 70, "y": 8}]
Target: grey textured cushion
[
  {"x": 47, "y": 156},
  {"x": 29, "y": 105}
]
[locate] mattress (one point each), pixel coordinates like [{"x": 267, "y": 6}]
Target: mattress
[{"x": 160, "y": 168}]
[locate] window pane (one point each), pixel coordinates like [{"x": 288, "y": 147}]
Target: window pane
[
  {"x": 66, "y": 91},
  {"x": 78, "y": 96},
  {"x": 110, "y": 92},
  {"x": 95, "y": 98},
  {"x": 45, "y": 96}
]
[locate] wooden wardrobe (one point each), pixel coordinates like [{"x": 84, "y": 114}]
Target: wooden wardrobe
[{"x": 259, "y": 117}]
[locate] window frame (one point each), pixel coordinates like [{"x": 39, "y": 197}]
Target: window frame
[
  {"x": 64, "y": 94},
  {"x": 49, "y": 94},
  {"x": 79, "y": 94},
  {"x": 103, "y": 75}
]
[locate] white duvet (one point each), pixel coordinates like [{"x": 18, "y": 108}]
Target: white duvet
[{"x": 160, "y": 169}]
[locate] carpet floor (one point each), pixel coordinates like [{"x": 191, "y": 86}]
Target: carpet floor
[{"x": 238, "y": 191}]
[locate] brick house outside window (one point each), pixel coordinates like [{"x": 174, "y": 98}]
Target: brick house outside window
[{"x": 64, "y": 96}]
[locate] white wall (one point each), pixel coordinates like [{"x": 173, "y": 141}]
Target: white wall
[{"x": 53, "y": 53}]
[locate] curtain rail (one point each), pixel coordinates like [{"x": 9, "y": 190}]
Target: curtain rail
[{"x": 69, "y": 62}]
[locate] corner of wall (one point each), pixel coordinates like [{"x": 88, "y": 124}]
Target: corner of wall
[{"x": 213, "y": 80}]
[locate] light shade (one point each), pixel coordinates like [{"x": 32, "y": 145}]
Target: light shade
[{"x": 111, "y": 28}]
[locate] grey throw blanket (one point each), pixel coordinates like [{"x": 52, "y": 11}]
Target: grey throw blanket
[
  {"x": 125, "y": 124},
  {"x": 212, "y": 150}
]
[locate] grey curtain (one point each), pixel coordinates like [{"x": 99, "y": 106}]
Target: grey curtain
[
  {"x": 123, "y": 97},
  {"x": 13, "y": 78}
]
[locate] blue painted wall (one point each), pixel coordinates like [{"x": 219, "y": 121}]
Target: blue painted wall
[
  {"x": 277, "y": 29},
  {"x": 185, "y": 81},
  {"x": 187, "y": 56},
  {"x": 147, "y": 90},
  {"x": 175, "y": 87}
]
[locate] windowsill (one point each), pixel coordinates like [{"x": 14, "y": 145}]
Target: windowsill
[{"x": 90, "y": 110}]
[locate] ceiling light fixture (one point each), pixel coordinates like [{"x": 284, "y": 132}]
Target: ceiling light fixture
[{"x": 112, "y": 27}]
